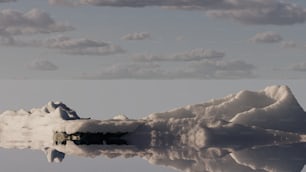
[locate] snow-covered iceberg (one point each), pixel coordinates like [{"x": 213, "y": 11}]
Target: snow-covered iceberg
[{"x": 235, "y": 133}]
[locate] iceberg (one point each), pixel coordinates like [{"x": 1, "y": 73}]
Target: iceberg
[{"x": 246, "y": 131}]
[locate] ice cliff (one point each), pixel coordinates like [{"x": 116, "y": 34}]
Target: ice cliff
[{"x": 221, "y": 134}]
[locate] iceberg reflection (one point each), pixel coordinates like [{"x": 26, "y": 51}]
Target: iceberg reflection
[{"x": 248, "y": 131}]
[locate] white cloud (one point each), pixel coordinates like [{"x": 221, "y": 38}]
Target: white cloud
[
  {"x": 263, "y": 12},
  {"x": 266, "y": 37},
  {"x": 137, "y": 36},
  {"x": 192, "y": 55},
  {"x": 42, "y": 65},
  {"x": 300, "y": 67},
  {"x": 236, "y": 69},
  {"x": 14, "y": 22}
]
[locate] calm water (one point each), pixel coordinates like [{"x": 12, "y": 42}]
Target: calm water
[
  {"x": 279, "y": 158},
  {"x": 104, "y": 99}
]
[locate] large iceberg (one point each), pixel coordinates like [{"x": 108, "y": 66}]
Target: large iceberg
[{"x": 247, "y": 131}]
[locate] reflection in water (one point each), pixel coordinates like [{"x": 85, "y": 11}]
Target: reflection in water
[
  {"x": 248, "y": 131},
  {"x": 280, "y": 158}
]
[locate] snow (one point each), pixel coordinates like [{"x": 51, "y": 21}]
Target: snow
[
  {"x": 120, "y": 117},
  {"x": 235, "y": 133}
]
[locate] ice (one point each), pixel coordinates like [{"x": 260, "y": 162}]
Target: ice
[{"x": 247, "y": 131}]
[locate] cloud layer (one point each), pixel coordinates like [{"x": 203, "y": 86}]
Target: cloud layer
[
  {"x": 236, "y": 69},
  {"x": 197, "y": 63},
  {"x": 260, "y": 12}
]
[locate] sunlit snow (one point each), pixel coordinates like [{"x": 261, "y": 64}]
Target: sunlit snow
[{"x": 247, "y": 131}]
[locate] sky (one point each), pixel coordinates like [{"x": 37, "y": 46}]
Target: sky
[{"x": 136, "y": 39}]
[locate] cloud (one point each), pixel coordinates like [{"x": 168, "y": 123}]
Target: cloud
[
  {"x": 180, "y": 38},
  {"x": 198, "y": 54},
  {"x": 136, "y": 36},
  {"x": 300, "y": 67},
  {"x": 266, "y": 37},
  {"x": 8, "y": 1},
  {"x": 261, "y": 12},
  {"x": 82, "y": 46},
  {"x": 8, "y": 40},
  {"x": 148, "y": 58},
  {"x": 70, "y": 3},
  {"x": 129, "y": 71},
  {"x": 141, "y": 3},
  {"x": 14, "y": 22},
  {"x": 42, "y": 65},
  {"x": 288, "y": 44},
  {"x": 192, "y": 55},
  {"x": 68, "y": 45},
  {"x": 236, "y": 69}
]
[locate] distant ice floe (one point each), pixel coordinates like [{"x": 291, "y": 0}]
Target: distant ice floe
[{"x": 244, "y": 132}]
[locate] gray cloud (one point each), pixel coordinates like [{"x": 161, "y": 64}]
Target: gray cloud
[
  {"x": 82, "y": 46},
  {"x": 137, "y": 36},
  {"x": 141, "y": 3},
  {"x": 129, "y": 71},
  {"x": 148, "y": 58},
  {"x": 192, "y": 55},
  {"x": 14, "y": 22},
  {"x": 8, "y": 40},
  {"x": 8, "y": 1},
  {"x": 288, "y": 44},
  {"x": 180, "y": 38},
  {"x": 67, "y": 45},
  {"x": 300, "y": 67},
  {"x": 71, "y": 3},
  {"x": 198, "y": 54},
  {"x": 266, "y": 37},
  {"x": 260, "y": 12},
  {"x": 236, "y": 69},
  {"x": 42, "y": 65}
]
